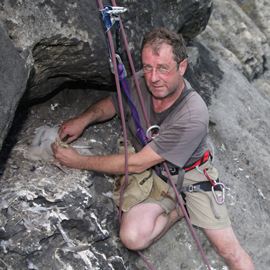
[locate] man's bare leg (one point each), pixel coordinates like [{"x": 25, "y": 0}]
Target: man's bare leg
[
  {"x": 228, "y": 247},
  {"x": 145, "y": 223}
]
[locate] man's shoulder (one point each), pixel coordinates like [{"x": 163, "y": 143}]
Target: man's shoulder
[{"x": 195, "y": 94}]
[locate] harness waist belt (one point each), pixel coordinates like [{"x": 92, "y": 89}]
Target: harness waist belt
[{"x": 201, "y": 161}]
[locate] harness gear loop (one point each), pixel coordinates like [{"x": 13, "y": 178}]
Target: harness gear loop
[
  {"x": 156, "y": 127},
  {"x": 205, "y": 171},
  {"x": 202, "y": 187},
  {"x": 214, "y": 186},
  {"x": 211, "y": 202}
]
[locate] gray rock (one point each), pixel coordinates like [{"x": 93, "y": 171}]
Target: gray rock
[
  {"x": 13, "y": 79},
  {"x": 55, "y": 220},
  {"x": 238, "y": 39}
]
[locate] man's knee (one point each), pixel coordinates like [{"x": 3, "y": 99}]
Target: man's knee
[
  {"x": 231, "y": 253},
  {"x": 131, "y": 239}
]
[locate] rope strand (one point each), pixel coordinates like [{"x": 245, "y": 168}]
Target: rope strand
[{"x": 186, "y": 215}]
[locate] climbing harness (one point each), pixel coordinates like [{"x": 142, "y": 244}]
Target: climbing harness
[
  {"x": 216, "y": 185},
  {"x": 110, "y": 16},
  {"x": 202, "y": 187},
  {"x": 201, "y": 161}
]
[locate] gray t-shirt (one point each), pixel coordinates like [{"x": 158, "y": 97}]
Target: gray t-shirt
[{"x": 184, "y": 132}]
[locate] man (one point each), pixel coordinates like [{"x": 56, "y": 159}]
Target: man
[{"x": 181, "y": 142}]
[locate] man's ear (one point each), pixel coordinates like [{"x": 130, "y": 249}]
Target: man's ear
[{"x": 183, "y": 67}]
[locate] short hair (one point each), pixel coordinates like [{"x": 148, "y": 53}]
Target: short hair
[{"x": 159, "y": 36}]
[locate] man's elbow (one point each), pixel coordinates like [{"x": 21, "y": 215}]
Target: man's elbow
[
  {"x": 138, "y": 166},
  {"x": 139, "y": 162},
  {"x": 138, "y": 169}
]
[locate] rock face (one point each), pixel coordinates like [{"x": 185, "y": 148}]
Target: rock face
[
  {"x": 55, "y": 219},
  {"x": 14, "y": 76}
]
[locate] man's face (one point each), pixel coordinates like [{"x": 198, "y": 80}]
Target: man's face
[{"x": 161, "y": 85}]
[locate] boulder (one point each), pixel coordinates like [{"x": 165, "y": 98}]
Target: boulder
[{"x": 13, "y": 80}]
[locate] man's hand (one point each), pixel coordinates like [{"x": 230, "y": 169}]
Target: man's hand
[
  {"x": 100, "y": 111},
  {"x": 73, "y": 128},
  {"x": 66, "y": 156}
]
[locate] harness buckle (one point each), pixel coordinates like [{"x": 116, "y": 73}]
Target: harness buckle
[
  {"x": 190, "y": 188},
  {"x": 153, "y": 127},
  {"x": 223, "y": 193},
  {"x": 173, "y": 170}
]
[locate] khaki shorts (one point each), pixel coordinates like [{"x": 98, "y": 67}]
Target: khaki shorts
[
  {"x": 198, "y": 204},
  {"x": 166, "y": 203}
]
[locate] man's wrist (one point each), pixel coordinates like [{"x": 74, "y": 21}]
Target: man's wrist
[{"x": 81, "y": 162}]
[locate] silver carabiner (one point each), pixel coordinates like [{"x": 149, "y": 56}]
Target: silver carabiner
[
  {"x": 110, "y": 15},
  {"x": 117, "y": 56},
  {"x": 153, "y": 127},
  {"x": 223, "y": 193},
  {"x": 116, "y": 10}
]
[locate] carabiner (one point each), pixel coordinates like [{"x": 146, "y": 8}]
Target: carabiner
[
  {"x": 116, "y": 10},
  {"x": 223, "y": 193},
  {"x": 153, "y": 127},
  {"x": 110, "y": 15},
  {"x": 117, "y": 56}
]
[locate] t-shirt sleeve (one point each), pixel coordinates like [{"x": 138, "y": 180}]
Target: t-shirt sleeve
[
  {"x": 125, "y": 102},
  {"x": 114, "y": 100},
  {"x": 177, "y": 144}
]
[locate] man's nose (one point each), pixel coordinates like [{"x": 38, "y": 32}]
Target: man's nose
[{"x": 154, "y": 75}]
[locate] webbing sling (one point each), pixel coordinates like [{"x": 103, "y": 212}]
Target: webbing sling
[
  {"x": 139, "y": 129},
  {"x": 148, "y": 124}
]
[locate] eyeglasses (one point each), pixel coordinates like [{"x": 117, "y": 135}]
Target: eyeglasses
[{"x": 159, "y": 70}]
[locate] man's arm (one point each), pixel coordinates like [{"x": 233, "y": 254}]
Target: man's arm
[
  {"x": 100, "y": 111},
  {"x": 112, "y": 164}
]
